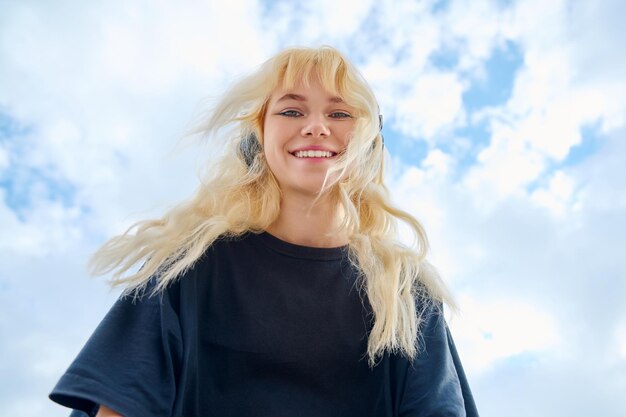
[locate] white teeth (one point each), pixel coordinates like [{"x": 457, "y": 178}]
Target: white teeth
[{"x": 313, "y": 154}]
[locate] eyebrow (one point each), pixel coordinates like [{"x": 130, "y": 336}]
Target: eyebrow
[{"x": 298, "y": 97}]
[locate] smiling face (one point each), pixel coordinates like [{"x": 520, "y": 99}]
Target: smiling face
[{"x": 305, "y": 128}]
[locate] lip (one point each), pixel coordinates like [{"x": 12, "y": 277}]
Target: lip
[{"x": 313, "y": 148}]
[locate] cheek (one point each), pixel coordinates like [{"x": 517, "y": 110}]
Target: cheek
[
  {"x": 345, "y": 133},
  {"x": 272, "y": 138},
  {"x": 272, "y": 146},
  {"x": 272, "y": 152}
]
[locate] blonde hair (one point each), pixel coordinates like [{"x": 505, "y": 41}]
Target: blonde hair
[{"x": 236, "y": 197}]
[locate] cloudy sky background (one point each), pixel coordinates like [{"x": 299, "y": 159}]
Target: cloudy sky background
[{"x": 505, "y": 123}]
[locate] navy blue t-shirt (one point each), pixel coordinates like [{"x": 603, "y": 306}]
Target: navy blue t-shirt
[{"x": 260, "y": 327}]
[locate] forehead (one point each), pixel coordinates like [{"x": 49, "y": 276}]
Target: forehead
[
  {"x": 305, "y": 92},
  {"x": 302, "y": 96}
]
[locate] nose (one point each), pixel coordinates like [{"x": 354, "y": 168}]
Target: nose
[{"x": 316, "y": 127}]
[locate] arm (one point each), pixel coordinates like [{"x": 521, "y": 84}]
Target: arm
[
  {"x": 104, "y": 411},
  {"x": 435, "y": 383},
  {"x": 129, "y": 363}
]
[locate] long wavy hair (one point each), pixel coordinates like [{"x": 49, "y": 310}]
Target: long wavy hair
[{"x": 238, "y": 194}]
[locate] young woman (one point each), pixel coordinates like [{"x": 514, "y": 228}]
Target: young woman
[{"x": 280, "y": 288}]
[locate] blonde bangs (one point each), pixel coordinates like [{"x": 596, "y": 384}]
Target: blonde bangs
[
  {"x": 305, "y": 66},
  {"x": 326, "y": 65}
]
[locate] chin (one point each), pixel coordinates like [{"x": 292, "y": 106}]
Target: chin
[{"x": 311, "y": 190}]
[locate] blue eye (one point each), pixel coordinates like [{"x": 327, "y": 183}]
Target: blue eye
[
  {"x": 291, "y": 113},
  {"x": 340, "y": 115}
]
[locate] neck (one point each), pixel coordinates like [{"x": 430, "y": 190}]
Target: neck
[{"x": 304, "y": 221}]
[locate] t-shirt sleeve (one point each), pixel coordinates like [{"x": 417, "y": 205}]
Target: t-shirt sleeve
[
  {"x": 130, "y": 363},
  {"x": 435, "y": 384}
]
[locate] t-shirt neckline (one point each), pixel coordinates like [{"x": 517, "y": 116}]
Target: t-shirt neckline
[{"x": 300, "y": 251}]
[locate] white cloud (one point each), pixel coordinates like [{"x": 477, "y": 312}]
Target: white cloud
[
  {"x": 4, "y": 158},
  {"x": 537, "y": 274},
  {"x": 505, "y": 168},
  {"x": 533, "y": 247},
  {"x": 558, "y": 196},
  {"x": 475, "y": 29},
  {"x": 108, "y": 91},
  {"x": 316, "y": 22},
  {"x": 493, "y": 330},
  {"x": 50, "y": 228},
  {"x": 438, "y": 164},
  {"x": 556, "y": 94},
  {"x": 621, "y": 340},
  {"x": 432, "y": 103}
]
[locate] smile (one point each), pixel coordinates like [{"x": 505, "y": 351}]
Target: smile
[{"x": 313, "y": 154}]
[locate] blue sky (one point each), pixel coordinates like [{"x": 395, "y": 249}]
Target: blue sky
[{"x": 504, "y": 123}]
